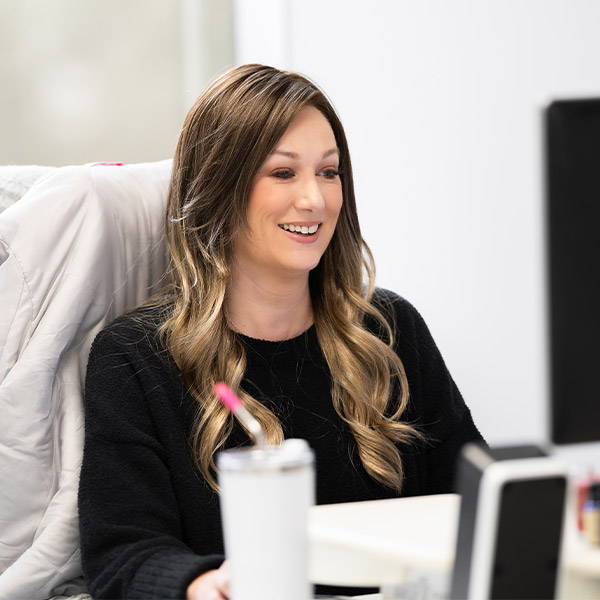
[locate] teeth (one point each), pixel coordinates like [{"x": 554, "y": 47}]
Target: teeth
[{"x": 300, "y": 229}]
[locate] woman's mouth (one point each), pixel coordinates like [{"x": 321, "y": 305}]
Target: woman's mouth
[
  {"x": 301, "y": 233},
  {"x": 305, "y": 230}
]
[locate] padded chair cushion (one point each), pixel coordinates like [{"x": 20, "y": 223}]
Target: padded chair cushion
[
  {"x": 15, "y": 180},
  {"x": 84, "y": 245}
]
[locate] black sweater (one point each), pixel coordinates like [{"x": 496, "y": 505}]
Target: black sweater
[{"x": 150, "y": 524}]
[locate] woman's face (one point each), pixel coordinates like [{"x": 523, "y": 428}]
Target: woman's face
[{"x": 297, "y": 188}]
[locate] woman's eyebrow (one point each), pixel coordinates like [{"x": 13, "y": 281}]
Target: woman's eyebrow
[{"x": 294, "y": 155}]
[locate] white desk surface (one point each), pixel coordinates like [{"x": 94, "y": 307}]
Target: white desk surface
[
  {"x": 370, "y": 543},
  {"x": 380, "y": 542}
]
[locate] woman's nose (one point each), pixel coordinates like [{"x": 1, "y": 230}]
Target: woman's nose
[{"x": 309, "y": 195}]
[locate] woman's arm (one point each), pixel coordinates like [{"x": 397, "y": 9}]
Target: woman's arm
[
  {"x": 451, "y": 424},
  {"x": 131, "y": 534},
  {"x": 436, "y": 402}
]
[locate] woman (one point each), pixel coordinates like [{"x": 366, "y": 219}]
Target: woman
[{"x": 271, "y": 290}]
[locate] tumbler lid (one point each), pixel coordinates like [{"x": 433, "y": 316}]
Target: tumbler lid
[{"x": 293, "y": 453}]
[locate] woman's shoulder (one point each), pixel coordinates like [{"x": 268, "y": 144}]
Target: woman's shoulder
[
  {"x": 388, "y": 298},
  {"x": 399, "y": 312},
  {"x": 435, "y": 400},
  {"x": 411, "y": 332},
  {"x": 135, "y": 331}
]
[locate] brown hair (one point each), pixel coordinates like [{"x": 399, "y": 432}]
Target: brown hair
[{"x": 226, "y": 137}]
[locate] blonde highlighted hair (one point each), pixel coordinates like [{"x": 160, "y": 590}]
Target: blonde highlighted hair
[{"x": 226, "y": 137}]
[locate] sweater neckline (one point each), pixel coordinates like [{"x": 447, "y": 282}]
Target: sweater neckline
[{"x": 277, "y": 344}]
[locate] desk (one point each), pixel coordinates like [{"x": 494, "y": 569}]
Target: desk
[
  {"x": 411, "y": 541},
  {"x": 373, "y": 543}
]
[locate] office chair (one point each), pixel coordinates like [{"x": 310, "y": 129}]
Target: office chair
[{"x": 82, "y": 246}]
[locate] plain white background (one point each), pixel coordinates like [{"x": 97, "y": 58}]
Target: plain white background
[{"x": 442, "y": 104}]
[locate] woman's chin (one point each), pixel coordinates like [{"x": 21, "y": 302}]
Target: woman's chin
[{"x": 299, "y": 267}]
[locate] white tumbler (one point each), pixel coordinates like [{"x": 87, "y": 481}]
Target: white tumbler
[{"x": 266, "y": 492}]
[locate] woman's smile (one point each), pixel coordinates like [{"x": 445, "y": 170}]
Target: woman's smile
[{"x": 303, "y": 233}]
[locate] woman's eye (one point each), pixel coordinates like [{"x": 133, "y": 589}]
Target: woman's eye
[
  {"x": 283, "y": 174},
  {"x": 330, "y": 173},
  {"x": 287, "y": 174}
]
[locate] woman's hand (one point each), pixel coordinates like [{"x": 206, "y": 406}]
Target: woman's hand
[{"x": 212, "y": 585}]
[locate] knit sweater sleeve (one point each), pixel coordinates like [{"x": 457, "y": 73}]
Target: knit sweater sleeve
[
  {"x": 131, "y": 535},
  {"x": 436, "y": 404}
]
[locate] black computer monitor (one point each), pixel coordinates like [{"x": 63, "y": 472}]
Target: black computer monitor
[{"x": 572, "y": 130}]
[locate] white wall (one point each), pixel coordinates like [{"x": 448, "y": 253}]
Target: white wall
[
  {"x": 104, "y": 80},
  {"x": 442, "y": 104}
]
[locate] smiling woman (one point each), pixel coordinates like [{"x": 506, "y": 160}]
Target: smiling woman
[
  {"x": 292, "y": 213},
  {"x": 271, "y": 289}
]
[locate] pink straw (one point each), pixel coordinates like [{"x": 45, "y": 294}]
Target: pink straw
[{"x": 226, "y": 395}]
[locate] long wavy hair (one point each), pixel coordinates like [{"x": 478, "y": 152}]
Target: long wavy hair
[{"x": 226, "y": 137}]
